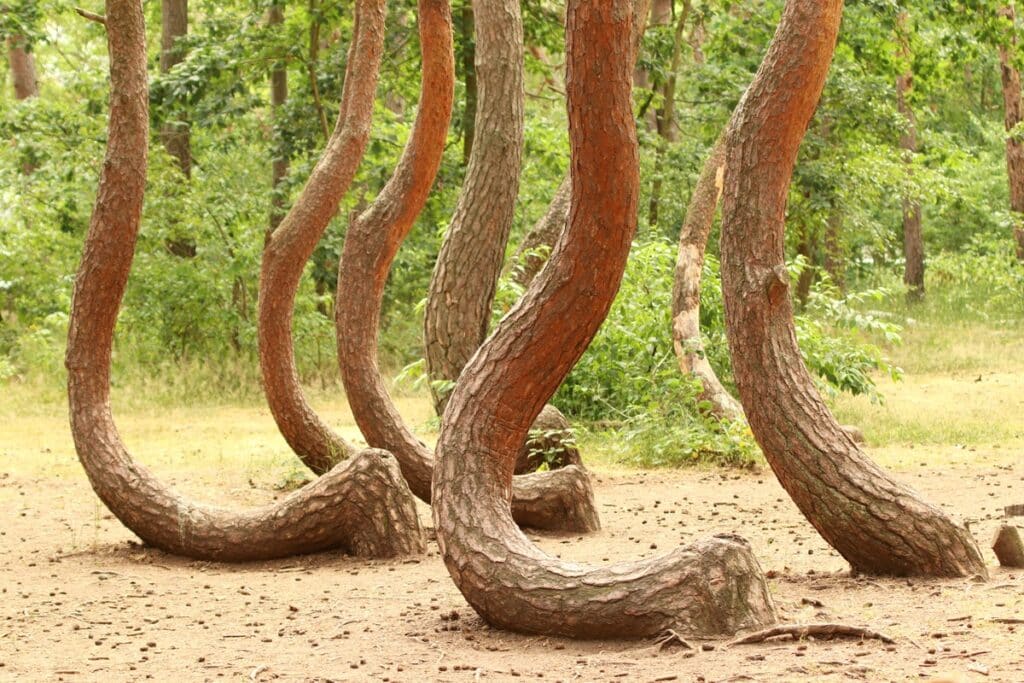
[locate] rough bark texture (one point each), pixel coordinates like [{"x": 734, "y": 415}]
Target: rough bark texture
[
  {"x": 1013, "y": 115},
  {"x": 562, "y": 501},
  {"x": 278, "y": 98},
  {"x": 693, "y": 242},
  {"x": 878, "y": 525},
  {"x": 23, "y": 68},
  {"x": 175, "y": 135},
  {"x": 291, "y": 245},
  {"x": 363, "y": 506},
  {"x": 469, "y": 264},
  {"x": 913, "y": 240},
  {"x": 712, "y": 588},
  {"x": 546, "y": 231}
]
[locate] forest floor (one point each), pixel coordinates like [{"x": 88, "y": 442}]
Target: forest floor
[{"x": 80, "y": 600}]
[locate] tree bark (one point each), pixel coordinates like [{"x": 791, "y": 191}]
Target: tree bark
[
  {"x": 913, "y": 240},
  {"x": 363, "y": 506},
  {"x": 292, "y": 244},
  {"x": 175, "y": 135},
  {"x": 526, "y": 261},
  {"x": 23, "y": 68},
  {"x": 712, "y": 588},
  {"x": 877, "y": 524},
  {"x": 693, "y": 242},
  {"x": 560, "y": 501},
  {"x": 278, "y": 98},
  {"x": 469, "y": 264},
  {"x": 1013, "y": 115}
]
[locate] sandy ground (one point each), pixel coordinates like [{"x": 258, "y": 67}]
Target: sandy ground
[{"x": 80, "y": 600}]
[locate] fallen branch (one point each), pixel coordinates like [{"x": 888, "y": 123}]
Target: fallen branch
[
  {"x": 670, "y": 638},
  {"x": 1008, "y": 620},
  {"x": 800, "y": 631},
  {"x": 98, "y": 18}
]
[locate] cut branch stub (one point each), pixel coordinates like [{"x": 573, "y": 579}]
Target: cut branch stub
[
  {"x": 876, "y": 523},
  {"x": 557, "y": 501},
  {"x": 363, "y": 506},
  {"x": 714, "y": 587},
  {"x": 295, "y": 239}
]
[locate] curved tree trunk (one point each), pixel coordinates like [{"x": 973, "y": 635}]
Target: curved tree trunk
[
  {"x": 562, "y": 500},
  {"x": 712, "y": 588},
  {"x": 295, "y": 239},
  {"x": 878, "y": 525},
  {"x": 467, "y": 269},
  {"x": 363, "y": 506},
  {"x": 23, "y": 68},
  {"x": 693, "y": 242}
]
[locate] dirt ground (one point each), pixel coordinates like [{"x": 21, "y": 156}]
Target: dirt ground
[{"x": 80, "y": 600}]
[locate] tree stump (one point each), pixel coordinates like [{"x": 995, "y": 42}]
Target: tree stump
[
  {"x": 551, "y": 442},
  {"x": 1009, "y": 547}
]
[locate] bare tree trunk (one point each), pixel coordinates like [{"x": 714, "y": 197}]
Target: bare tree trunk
[
  {"x": 508, "y": 580},
  {"x": 560, "y": 500},
  {"x": 1014, "y": 145},
  {"x": 469, "y": 79},
  {"x": 23, "y": 68},
  {"x": 363, "y": 506},
  {"x": 311, "y": 66},
  {"x": 278, "y": 98},
  {"x": 693, "y": 242},
  {"x": 666, "y": 116},
  {"x": 527, "y": 260},
  {"x": 807, "y": 247},
  {"x": 293, "y": 242},
  {"x": 835, "y": 256},
  {"x": 175, "y": 134},
  {"x": 877, "y": 524},
  {"x": 913, "y": 240},
  {"x": 469, "y": 264}
]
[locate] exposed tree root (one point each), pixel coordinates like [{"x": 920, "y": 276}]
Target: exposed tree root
[
  {"x": 363, "y": 506},
  {"x": 819, "y": 631}
]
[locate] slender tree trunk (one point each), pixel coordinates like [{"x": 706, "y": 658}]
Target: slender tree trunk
[
  {"x": 559, "y": 500},
  {"x": 807, "y": 247},
  {"x": 507, "y": 579},
  {"x": 466, "y": 274},
  {"x": 363, "y": 506},
  {"x": 666, "y": 116},
  {"x": 913, "y": 240},
  {"x": 175, "y": 134},
  {"x": 835, "y": 254},
  {"x": 312, "y": 61},
  {"x": 546, "y": 231},
  {"x": 278, "y": 98},
  {"x": 693, "y": 241},
  {"x": 469, "y": 79},
  {"x": 295, "y": 239},
  {"x": 1013, "y": 115},
  {"x": 877, "y": 524},
  {"x": 23, "y": 68}
]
